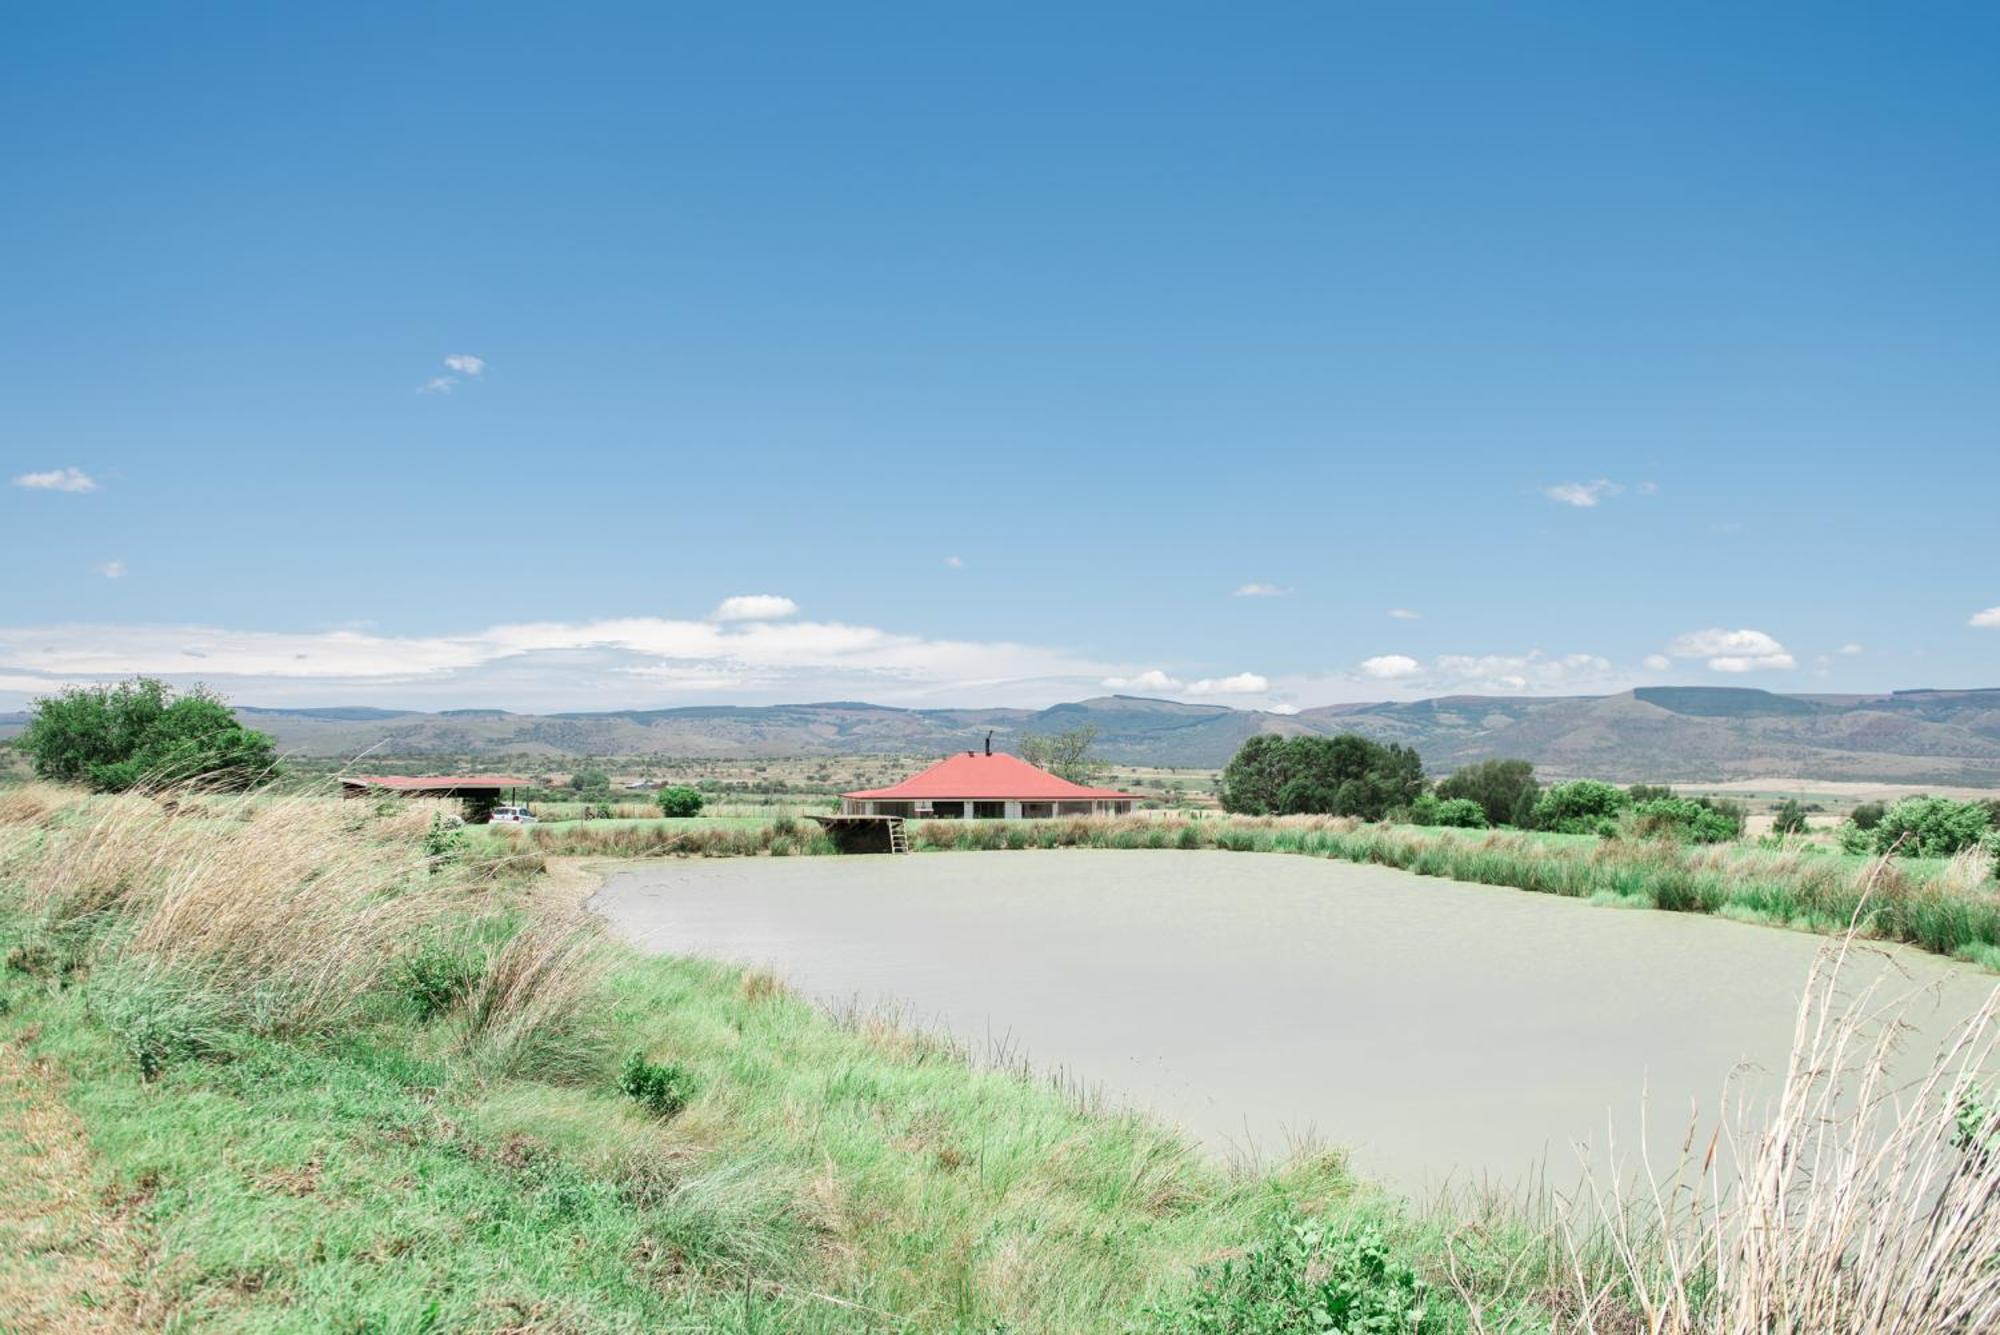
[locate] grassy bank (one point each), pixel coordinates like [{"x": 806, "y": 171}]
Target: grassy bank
[
  {"x": 1949, "y": 907},
  {"x": 302, "y": 1065},
  {"x": 328, "y": 1082}
]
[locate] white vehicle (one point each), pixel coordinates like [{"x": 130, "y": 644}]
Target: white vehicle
[{"x": 512, "y": 814}]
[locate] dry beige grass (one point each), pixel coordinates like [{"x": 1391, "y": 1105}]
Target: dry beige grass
[
  {"x": 1842, "y": 1203},
  {"x": 524, "y": 1012},
  {"x": 272, "y": 903}
]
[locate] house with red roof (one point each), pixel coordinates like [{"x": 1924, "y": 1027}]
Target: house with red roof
[{"x": 993, "y": 786}]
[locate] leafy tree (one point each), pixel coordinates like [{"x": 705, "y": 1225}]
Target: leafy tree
[
  {"x": 1065, "y": 754},
  {"x": 1649, "y": 792},
  {"x": 1581, "y": 806},
  {"x": 1790, "y": 817},
  {"x": 1462, "y": 812},
  {"x": 142, "y": 731},
  {"x": 679, "y": 801},
  {"x": 1868, "y": 815},
  {"x": 1504, "y": 789},
  {"x": 590, "y": 781},
  {"x": 1347, "y": 775}
]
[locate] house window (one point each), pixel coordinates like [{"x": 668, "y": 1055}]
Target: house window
[
  {"x": 989, "y": 810},
  {"x": 1037, "y": 810},
  {"x": 948, "y": 810},
  {"x": 1073, "y": 809}
]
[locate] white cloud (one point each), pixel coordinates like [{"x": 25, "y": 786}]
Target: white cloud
[
  {"x": 112, "y": 569},
  {"x": 57, "y": 479},
  {"x": 1281, "y": 708},
  {"x": 754, "y": 607},
  {"x": 1649, "y": 488},
  {"x": 1658, "y": 662},
  {"x": 1152, "y": 679},
  {"x": 1405, "y": 614},
  {"x": 1733, "y": 650},
  {"x": 465, "y": 363},
  {"x": 1243, "y": 683},
  {"x": 1583, "y": 495},
  {"x": 1989, "y": 618},
  {"x": 439, "y": 384},
  {"x": 955, "y": 562},
  {"x": 1259, "y": 591},
  {"x": 1850, "y": 650},
  {"x": 1388, "y": 667}
]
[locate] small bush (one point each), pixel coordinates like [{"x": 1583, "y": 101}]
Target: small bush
[
  {"x": 1932, "y": 827},
  {"x": 439, "y": 976},
  {"x": 679, "y": 801},
  {"x": 443, "y": 841},
  {"x": 1582, "y": 806},
  {"x": 1308, "y": 1277},
  {"x": 1459, "y": 812},
  {"x": 662, "y": 1089},
  {"x": 1685, "y": 819},
  {"x": 1790, "y": 817}
]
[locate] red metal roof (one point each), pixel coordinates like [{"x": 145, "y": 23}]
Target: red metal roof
[
  {"x": 989, "y": 779},
  {"x": 414, "y": 782}
]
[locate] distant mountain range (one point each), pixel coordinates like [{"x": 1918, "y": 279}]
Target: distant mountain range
[{"x": 1660, "y": 733}]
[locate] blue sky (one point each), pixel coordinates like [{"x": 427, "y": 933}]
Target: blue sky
[{"x": 998, "y": 349}]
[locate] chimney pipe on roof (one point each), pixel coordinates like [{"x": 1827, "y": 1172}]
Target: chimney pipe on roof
[{"x": 989, "y": 741}]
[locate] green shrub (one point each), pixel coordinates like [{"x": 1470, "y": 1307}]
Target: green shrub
[
  {"x": 1868, "y": 815},
  {"x": 1460, "y": 812},
  {"x": 1854, "y": 838},
  {"x": 1504, "y": 789},
  {"x": 1790, "y": 817},
  {"x": 679, "y": 801},
  {"x": 662, "y": 1089},
  {"x": 1932, "y": 827},
  {"x": 141, "y": 731},
  {"x": 1581, "y": 806},
  {"x": 1308, "y": 1277},
  {"x": 443, "y": 841},
  {"x": 1685, "y": 819},
  {"x": 439, "y": 975}
]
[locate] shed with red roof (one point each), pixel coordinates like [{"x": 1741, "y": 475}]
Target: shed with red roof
[{"x": 992, "y": 786}]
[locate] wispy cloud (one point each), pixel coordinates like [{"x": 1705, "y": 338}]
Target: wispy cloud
[
  {"x": 438, "y": 384},
  {"x": 954, "y": 562},
  {"x": 57, "y": 479},
  {"x": 632, "y": 662},
  {"x": 465, "y": 364},
  {"x": 1405, "y": 614},
  {"x": 1989, "y": 619},
  {"x": 1259, "y": 591},
  {"x": 754, "y": 607},
  {"x": 1850, "y": 650},
  {"x": 1583, "y": 495},
  {"x": 112, "y": 569},
  {"x": 1733, "y": 650},
  {"x": 1658, "y": 662}
]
